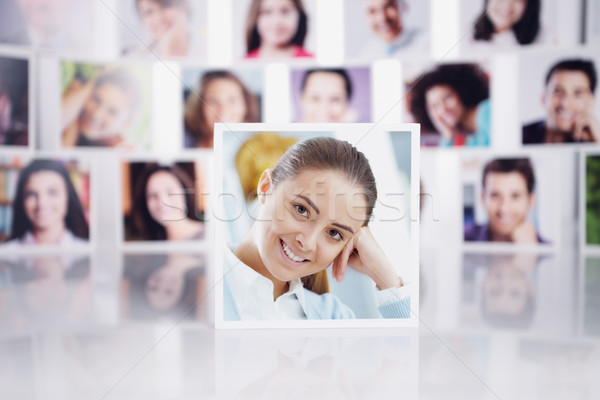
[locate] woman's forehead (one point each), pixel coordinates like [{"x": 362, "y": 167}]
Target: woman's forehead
[{"x": 328, "y": 191}]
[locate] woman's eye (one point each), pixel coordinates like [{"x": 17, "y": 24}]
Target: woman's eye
[
  {"x": 301, "y": 210},
  {"x": 335, "y": 235}
]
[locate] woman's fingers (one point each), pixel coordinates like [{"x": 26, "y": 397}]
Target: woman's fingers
[{"x": 343, "y": 260}]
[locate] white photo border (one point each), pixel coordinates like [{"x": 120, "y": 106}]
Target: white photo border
[{"x": 217, "y": 206}]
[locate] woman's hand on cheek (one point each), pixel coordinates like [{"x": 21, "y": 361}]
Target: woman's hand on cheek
[
  {"x": 363, "y": 254},
  {"x": 445, "y": 129}
]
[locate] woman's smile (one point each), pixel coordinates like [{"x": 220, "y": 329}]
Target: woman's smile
[{"x": 290, "y": 254}]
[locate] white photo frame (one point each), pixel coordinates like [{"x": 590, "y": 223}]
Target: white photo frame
[
  {"x": 533, "y": 67},
  {"x": 230, "y": 137},
  {"x": 86, "y": 171},
  {"x": 135, "y": 128},
  {"x": 136, "y": 41},
  {"x": 361, "y": 43},
  {"x": 547, "y": 213},
  {"x": 202, "y": 164},
  {"x": 239, "y": 17}
]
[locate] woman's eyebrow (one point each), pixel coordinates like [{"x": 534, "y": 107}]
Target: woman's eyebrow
[
  {"x": 310, "y": 203},
  {"x": 343, "y": 227}
]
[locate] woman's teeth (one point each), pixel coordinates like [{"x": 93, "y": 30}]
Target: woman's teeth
[{"x": 290, "y": 253}]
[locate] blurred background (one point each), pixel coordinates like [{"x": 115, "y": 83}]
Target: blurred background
[{"x": 123, "y": 93}]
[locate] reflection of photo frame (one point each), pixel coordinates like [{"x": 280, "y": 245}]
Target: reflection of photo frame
[
  {"x": 74, "y": 20},
  {"x": 17, "y": 87},
  {"x": 126, "y": 89},
  {"x": 188, "y": 178},
  {"x": 361, "y": 42},
  {"x": 235, "y": 211},
  {"x": 590, "y": 288},
  {"x": 533, "y": 68},
  {"x": 163, "y": 285},
  {"x": 60, "y": 282},
  {"x": 240, "y": 14},
  {"x": 543, "y": 214},
  {"x": 136, "y": 39},
  {"x": 80, "y": 211},
  {"x": 359, "y": 104},
  {"x": 272, "y": 356},
  {"x": 512, "y": 290},
  {"x": 251, "y": 78}
]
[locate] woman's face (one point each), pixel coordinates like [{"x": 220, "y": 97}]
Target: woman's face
[
  {"x": 165, "y": 198},
  {"x": 505, "y": 13},
  {"x": 164, "y": 288},
  {"x": 224, "y": 102},
  {"x": 444, "y": 107},
  {"x": 45, "y": 199},
  {"x": 305, "y": 222},
  {"x": 277, "y": 22},
  {"x": 159, "y": 20},
  {"x": 324, "y": 98}
]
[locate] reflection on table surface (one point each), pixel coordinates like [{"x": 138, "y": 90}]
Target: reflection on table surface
[{"x": 516, "y": 325}]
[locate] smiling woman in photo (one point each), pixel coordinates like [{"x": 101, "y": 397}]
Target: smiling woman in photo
[
  {"x": 276, "y": 29},
  {"x": 315, "y": 206},
  {"x": 164, "y": 205},
  {"x": 452, "y": 101},
  {"x": 509, "y": 22},
  {"x": 46, "y": 207},
  {"x": 168, "y": 22}
]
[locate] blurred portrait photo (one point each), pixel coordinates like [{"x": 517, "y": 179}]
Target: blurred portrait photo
[
  {"x": 212, "y": 96},
  {"x": 567, "y": 110},
  {"x": 452, "y": 104},
  {"x": 502, "y": 206},
  {"x": 14, "y": 101},
  {"x": 507, "y": 24},
  {"x": 164, "y": 28},
  {"x": 163, "y": 202},
  {"x": 275, "y": 29},
  {"x": 56, "y": 24},
  {"x": 592, "y": 199},
  {"x": 332, "y": 95},
  {"x": 105, "y": 106},
  {"x": 386, "y": 28},
  {"x": 44, "y": 202}
]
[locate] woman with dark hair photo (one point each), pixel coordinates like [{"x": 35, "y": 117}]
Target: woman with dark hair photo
[
  {"x": 315, "y": 206},
  {"x": 219, "y": 97},
  {"x": 452, "y": 101},
  {"x": 325, "y": 95},
  {"x": 46, "y": 207},
  {"x": 509, "y": 23},
  {"x": 164, "y": 206},
  {"x": 276, "y": 29}
]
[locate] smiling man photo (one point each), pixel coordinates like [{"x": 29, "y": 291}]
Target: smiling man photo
[
  {"x": 568, "y": 102},
  {"x": 508, "y": 196}
]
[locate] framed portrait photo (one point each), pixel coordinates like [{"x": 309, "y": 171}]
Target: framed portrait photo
[{"x": 300, "y": 209}]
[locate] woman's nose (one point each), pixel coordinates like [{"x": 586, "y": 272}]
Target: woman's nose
[{"x": 307, "y": 240}]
